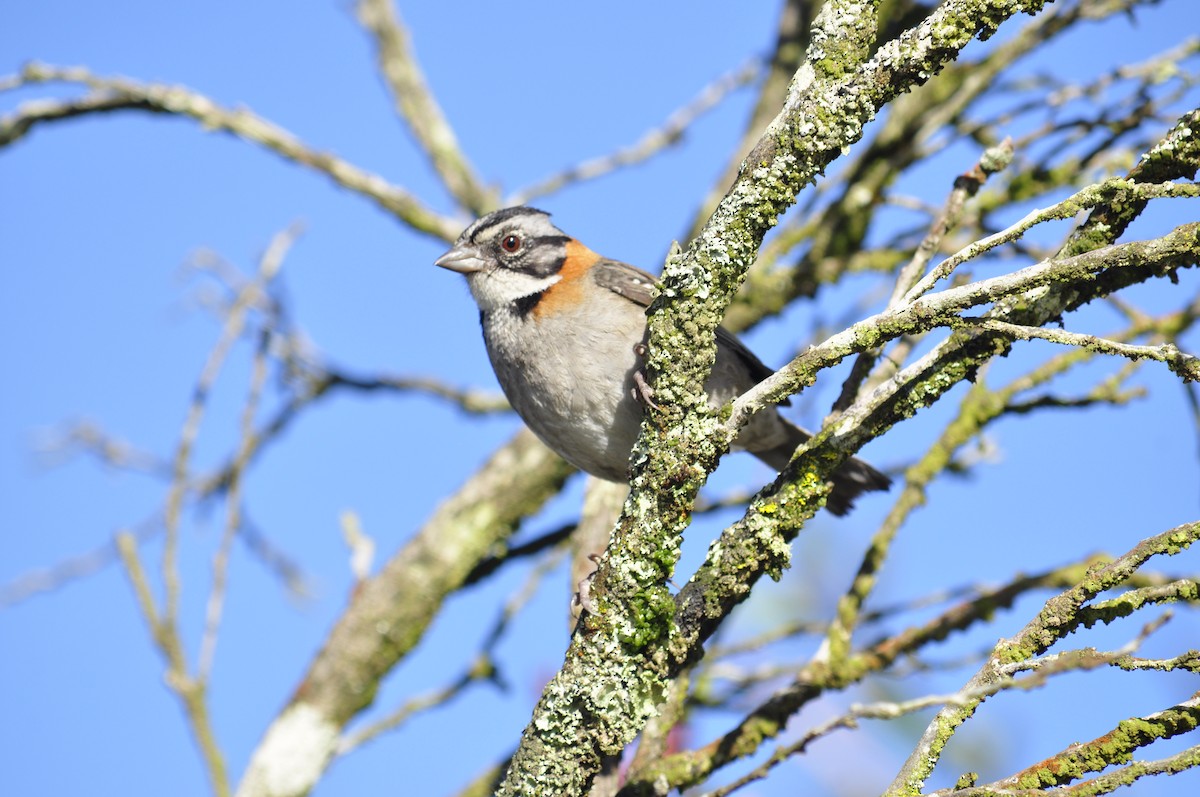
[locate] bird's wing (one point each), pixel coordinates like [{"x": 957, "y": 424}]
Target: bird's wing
[
  {"x": 641, "y": 287},
  {"x": 625, "y": 280}
]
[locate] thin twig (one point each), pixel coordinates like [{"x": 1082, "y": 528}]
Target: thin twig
[
  {"x": 517, "y": 552},
  {"x": 966, "y": 185},
  {"x": 826, "y": 673},
  {"x": 1058, "y": 617},
  {"x": 318, "y": 382},
  {"x": 1185, "y": 365},
  {"x": 48, "y": 579},
  {"x": 411, "y": 707},
  {"x": 669, "y": 134},
  {"x": 86, "y": 437},
  {"x": 190, "y": 691},
  {"x": 1101, "y": 194},
  {"x": 269, "y": 266},
  {"x": 180, "y": 468},
  {"x": 483, "y": 669},
  {"x": 1072, "y": 661}
]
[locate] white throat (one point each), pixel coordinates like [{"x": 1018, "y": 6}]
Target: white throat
[{"x": 496, "y": 289}]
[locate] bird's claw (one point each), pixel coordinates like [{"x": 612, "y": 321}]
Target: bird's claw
[
  {"x": 582, "y": 599},
  {"x": 641, "y": 388}
]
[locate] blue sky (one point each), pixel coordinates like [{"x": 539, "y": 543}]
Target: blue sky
[{"x": 100, "y": 321}]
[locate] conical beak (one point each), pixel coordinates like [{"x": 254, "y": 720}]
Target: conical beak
[{"x": 464, "y": 258}]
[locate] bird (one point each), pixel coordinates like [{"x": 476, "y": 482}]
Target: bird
[{"x": 565, "y": 328}]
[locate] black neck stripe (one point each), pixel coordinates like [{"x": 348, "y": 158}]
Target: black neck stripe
[{"x": 524, "y": 306}]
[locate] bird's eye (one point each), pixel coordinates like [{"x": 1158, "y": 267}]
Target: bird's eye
[{"x": 510, "y": 243}]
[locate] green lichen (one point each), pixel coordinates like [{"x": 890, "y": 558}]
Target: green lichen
[
  {"x": 650, "y": 618},
  {"x": 1116, "y": 747},
  {"x": 619, "y": 656}
]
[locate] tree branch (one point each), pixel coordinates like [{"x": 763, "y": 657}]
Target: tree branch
[
  {"x": 113, "y": 94},
  {"x": 418, "y": 107},
  {"x": 388, "y": 614},
  {"x": 617, "y": 667},
  {"x": 1056, "y": 619}
]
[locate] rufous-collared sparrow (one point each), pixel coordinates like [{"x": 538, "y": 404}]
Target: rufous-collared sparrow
[{"x": 564, "y": 327}]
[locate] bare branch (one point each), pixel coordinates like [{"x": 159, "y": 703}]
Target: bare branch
[
  {"x": 113, "y": 93},
  {"x": 825, "y": 673},
  {"x": 791, "y": 41},
  {"x": 418, "y": 107},
  {"x": 1058, "y": 617},
  {"x": 641, "y": 644},
  {"x": 1076, "y": 661},
  {"x": 1100, "y": 195},
  {"x": 1116, "y": 746},
  {"x": 482, "y": 669},
  {"x": 1185, "y": 365},
  {"x": 470, "y": 400},
  {"x": 966, "y": 186},
  {"x": 1177, "y": 249}
]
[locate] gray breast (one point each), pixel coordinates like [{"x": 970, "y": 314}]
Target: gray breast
[{"x": 571, "y": 383}]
